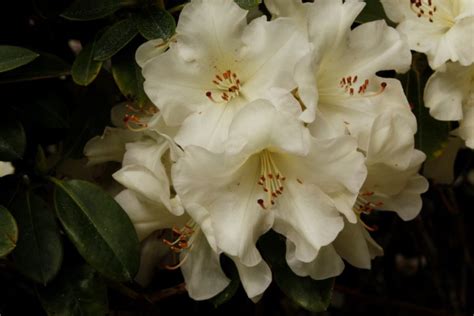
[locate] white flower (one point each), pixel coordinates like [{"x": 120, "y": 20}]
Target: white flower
[
  {"x": 217, "y": 65},
  {"x": 392, "y": 183},
  {"x": 442, "y": 29},
  {"x": 337, "y": 82},
  {"x": 273, "y": 174},
  {"x": 449, "y": 94},
  {"x": 6, "y": 168}
]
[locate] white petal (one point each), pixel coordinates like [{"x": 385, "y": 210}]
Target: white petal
[
  {"x": 335, "y": 166},
  {"x": 148, "y": 50},
  {"x": 144, "y": 182},
  {"x": 270, "y": 52},
  {"x": 260, "y": 125},
  {"x": 255, "y": 279},
  {"x": 209, "y": 29},
  {"x": 356, "y": 246},
  {"x": 466, "y": 126},
  {"x": 307, "y": 217},
  {"x": 391, "y": 141},
  {"x": 177, "y": 87},
  {"x": 224, "y": 186},
  {"x": 330, "y": 22},
  {"x": 445, "y": 92},
  {"x": 146, "y": 216},
  {"x": 6, "y": 168},
  {"x": 110, "y": 146},
  {"x": 327, "y": 264},
  {"x": 202, "y": 271}
]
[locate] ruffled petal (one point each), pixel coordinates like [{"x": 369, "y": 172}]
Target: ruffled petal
[
  {"x": 149, "y": 50},
  {"x": 202, "y": 270},
  {"x": 327, "y": 264},
  {"x": 255, "y": 279}
]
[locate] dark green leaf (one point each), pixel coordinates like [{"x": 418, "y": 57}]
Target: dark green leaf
[
  {"x": 98, "y": 227},
  {"x": 8, "y": 232},
  {"x": 39, "y": 252},
  {"x": 43, "y": 67},
  {"x": 310, "y": 294},
  {"x": 12, "y": 57},
  {"x": 233, "y": 286},
  {"x": 155, "y": 23},
  {"x": 372, "y": 11},
  {"x": 432, "y": 135},
  {"x": 12, "y": 140},
  {"x": 85, "y": 10},
  {"x": 114, "y": 39},
  {"x": 85, "y": 69},
  {"x": 76, "y": 291},
  {"x": 248, "y": 4},
  {"x": 128, "y": 77}
]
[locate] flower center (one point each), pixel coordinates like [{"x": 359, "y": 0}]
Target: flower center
[
  {"x": 271, "y": 179},
  {"x": 133, "y": 120},
  {"x": 364, "y": 206},
  {"x": 181, "y": 241},
  {"x": 427, "y": 10},
  {"x": 350, "y": 86},
  {"x": 227, "y": 87}
]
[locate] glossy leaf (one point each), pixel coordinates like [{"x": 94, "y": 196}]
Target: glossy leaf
[
  {"x": 114, "y": 39},
  {"x": 310, "y": 294},
  {"x": 76, "y": 291},
  {"x": 432, "y": 135},
  {"x": 99, "y": 228},
  {"x": 155, "y": 23},
  {"x": 39, "y": 251},
  {"x": 12, "y": 140},
  {"x": 248, "y": 4},
  {"x": 128, "y": 77},
  {"x": 8, "y": 232},
  {"x": 85, "y": 69},
  {"x": 44, "y": 67},
  {"x": 85, "y": 10},
  {"x": 12, "y": 57}
]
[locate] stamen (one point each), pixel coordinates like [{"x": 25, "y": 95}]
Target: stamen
[
  {"x": 348, "y": 84},
  {"x": 270, "y": 179},
  {"x": 364, "y": 206},
  {"x": 227, "y": 86},
  {"x": 182, "y": 242}
]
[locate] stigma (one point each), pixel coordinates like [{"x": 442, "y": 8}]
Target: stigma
[
  {"x": 271, "y": 180},
  {"x": 228, "y": 86}
]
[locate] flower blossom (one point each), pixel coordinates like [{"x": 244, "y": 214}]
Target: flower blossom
[
  {"x": 439, "y": 28},
  {"x": 217, "y": 65},
  {"x": 449, "y": 94}
]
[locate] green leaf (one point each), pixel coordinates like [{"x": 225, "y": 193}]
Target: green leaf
[
  {"x": 12, "y": 57},
  {"x": 432, "y": 135},
  {"x": 99, "y": 228},
  {"x": 372, "y": 11},
  {"x": 310, "y": 294},
  {"x": 248, "y": 4},
  {"x": 231, "y": 289},
  {"x": 85, "y": 10},
  {"x": 12, "y": 140},
  {"x": 8, "y": 232},
  {"x": 39, "y": 251},
  {"x": 44, "y": 67},
  {"x": 77, "y": 291},
  {"x": 85, "y": 69},
  {"x": 114, "y": 39},
  {"x": 155, "y": 23},
  {"x": 128, "y": 77}
]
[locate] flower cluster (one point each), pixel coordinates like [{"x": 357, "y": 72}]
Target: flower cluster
[
  {"x": 264, "y": 125},
  {"x": 444, "y": 31}
]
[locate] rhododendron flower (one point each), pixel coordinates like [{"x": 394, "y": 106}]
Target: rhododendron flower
[
  {"x": 442, "y": 29},
  {"x": 217, "y": 65},
  {"x": 449, "y": 94},
  {"x": 337, "y": 81},
  {"x": 272, "y": 174}
]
